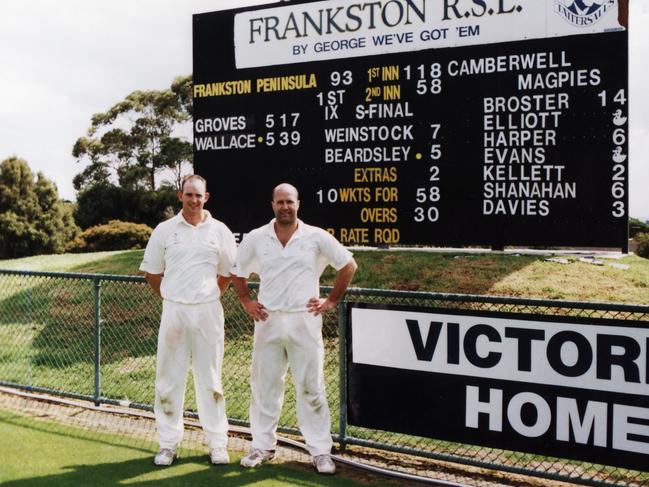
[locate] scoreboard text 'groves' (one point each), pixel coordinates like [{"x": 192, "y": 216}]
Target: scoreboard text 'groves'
[{"x": 434, "y": 122}]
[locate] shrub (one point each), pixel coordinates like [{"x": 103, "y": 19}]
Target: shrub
[
  {"x": 643, "y": 245},
  {"x": 114, "y": 235}
]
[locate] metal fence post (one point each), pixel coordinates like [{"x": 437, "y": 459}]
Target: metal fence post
[
  {"x": 30, "y": 351},
  {"x": 342, "y": 370},
  {"x": 97, "y": 328}
]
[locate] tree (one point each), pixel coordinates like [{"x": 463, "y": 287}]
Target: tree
[
  {"x": 175, "y": 154},
  {"x": 182, "y": 87},
  {"x": 133, "y": 140},
  {"x": 102, "y": 202},
  {"x": 637, "y": 226},
  {"x": 33, "y": 220}
]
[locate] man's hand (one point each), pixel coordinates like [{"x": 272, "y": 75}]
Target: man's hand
[
  {"x": 319, "y": 305},
  {"x": 256, "y": 310},
  {"x": 343, "y": 278}
]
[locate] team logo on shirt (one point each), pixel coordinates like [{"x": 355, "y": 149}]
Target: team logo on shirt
[{"x": 583, "y": 13}]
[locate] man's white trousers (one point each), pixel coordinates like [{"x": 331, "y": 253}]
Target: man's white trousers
[
  {"x": 295, "y": 339},
  {"x": 190, "y": 332}
]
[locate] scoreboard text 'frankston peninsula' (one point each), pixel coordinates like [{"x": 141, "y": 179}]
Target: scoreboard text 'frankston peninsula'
[{"x": 441, "y": 122}]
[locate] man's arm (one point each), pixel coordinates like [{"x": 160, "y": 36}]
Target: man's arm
[
  {"x": 343, "y": 278},
  {"x": 254, "y": 308},
  {"x": 154, "y": 281},
  {"x": 223, "y": 282}
]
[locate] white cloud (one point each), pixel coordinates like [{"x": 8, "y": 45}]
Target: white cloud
[{"x": 63, "y": 61}]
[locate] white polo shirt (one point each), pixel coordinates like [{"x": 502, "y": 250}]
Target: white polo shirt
[
  {"x": 289, "y": 276},
  {"x": 190, "y": 257}
]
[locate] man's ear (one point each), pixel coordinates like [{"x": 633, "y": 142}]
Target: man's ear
[
  {"x": 207, "y": 196},
  {"x": 180, "y": 195}
]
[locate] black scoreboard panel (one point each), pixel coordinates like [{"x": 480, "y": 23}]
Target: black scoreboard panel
[{"x": 514, "y": 143}]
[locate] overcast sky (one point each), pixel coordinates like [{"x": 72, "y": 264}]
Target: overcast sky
[{"x": 61, "y": 61}]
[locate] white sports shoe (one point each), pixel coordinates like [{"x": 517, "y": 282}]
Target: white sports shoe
[
  {"x": 256, "y": 457},
  {"x": 165, "y": 457},
  {"x": 219, "y": 456},
  {"x": 324, "y": 464}
]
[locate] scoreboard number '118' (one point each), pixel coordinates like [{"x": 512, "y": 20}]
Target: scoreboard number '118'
[{"x": 482, "y": 122}]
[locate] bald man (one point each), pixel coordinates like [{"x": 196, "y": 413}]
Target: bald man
[{"x": 289, "y": 256}]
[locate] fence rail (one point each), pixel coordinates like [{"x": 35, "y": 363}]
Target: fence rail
[{"x": 93, "y": 336}]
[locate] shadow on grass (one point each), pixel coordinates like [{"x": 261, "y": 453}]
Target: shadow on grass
[
  {"x": 192, "y": 469},
  {"x": 58, "y": 315},
  {"x": 188, "y": 471}
]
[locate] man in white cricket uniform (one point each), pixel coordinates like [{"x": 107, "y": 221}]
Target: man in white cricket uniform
[
  {"x": 289, "y": 257},
  {"x": 182, "y": 260}
]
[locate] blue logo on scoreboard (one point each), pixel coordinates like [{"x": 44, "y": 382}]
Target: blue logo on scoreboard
[{"x": 583, "y": 13}]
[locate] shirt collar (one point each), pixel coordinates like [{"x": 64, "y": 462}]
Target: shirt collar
[
  {"x": 270, "y": 229},
  {"x": 180, "y": 219}
]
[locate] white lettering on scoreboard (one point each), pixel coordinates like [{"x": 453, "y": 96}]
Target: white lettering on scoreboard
[{"x": 337, "y": 28}]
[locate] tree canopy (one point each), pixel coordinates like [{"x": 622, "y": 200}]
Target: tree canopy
[
  {"x": 135, "y": 139},
  {"x": 33, "y": 219},
  {"x": 102, "y": 202}
]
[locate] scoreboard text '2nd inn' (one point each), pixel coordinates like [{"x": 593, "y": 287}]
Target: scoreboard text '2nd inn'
[{"x": 439, "y": 122}]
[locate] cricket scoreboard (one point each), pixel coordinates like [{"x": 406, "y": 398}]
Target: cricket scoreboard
[{"x": 433, "y": 122}]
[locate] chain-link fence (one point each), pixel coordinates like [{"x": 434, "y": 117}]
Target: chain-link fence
[{"x": 92, "y": 336}]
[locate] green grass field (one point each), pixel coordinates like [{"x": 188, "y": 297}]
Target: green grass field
[
  {"x": 35, "y": 453},
  {"x": 47, "y": 336},
  {"x": 46, "y": 331},
  {"x": 494, "y": 274}
]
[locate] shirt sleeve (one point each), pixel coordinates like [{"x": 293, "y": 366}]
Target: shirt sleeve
[
  {"x": 246, "y": 261},
  {"x": 333, "y": 251},
  {"x": 153, "y": 260},
  {"x": 228, "y": 253}
]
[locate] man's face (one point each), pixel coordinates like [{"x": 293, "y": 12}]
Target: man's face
[
  {"x": 285, "y": 206},
  {"x": 193, "y": 197}
]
